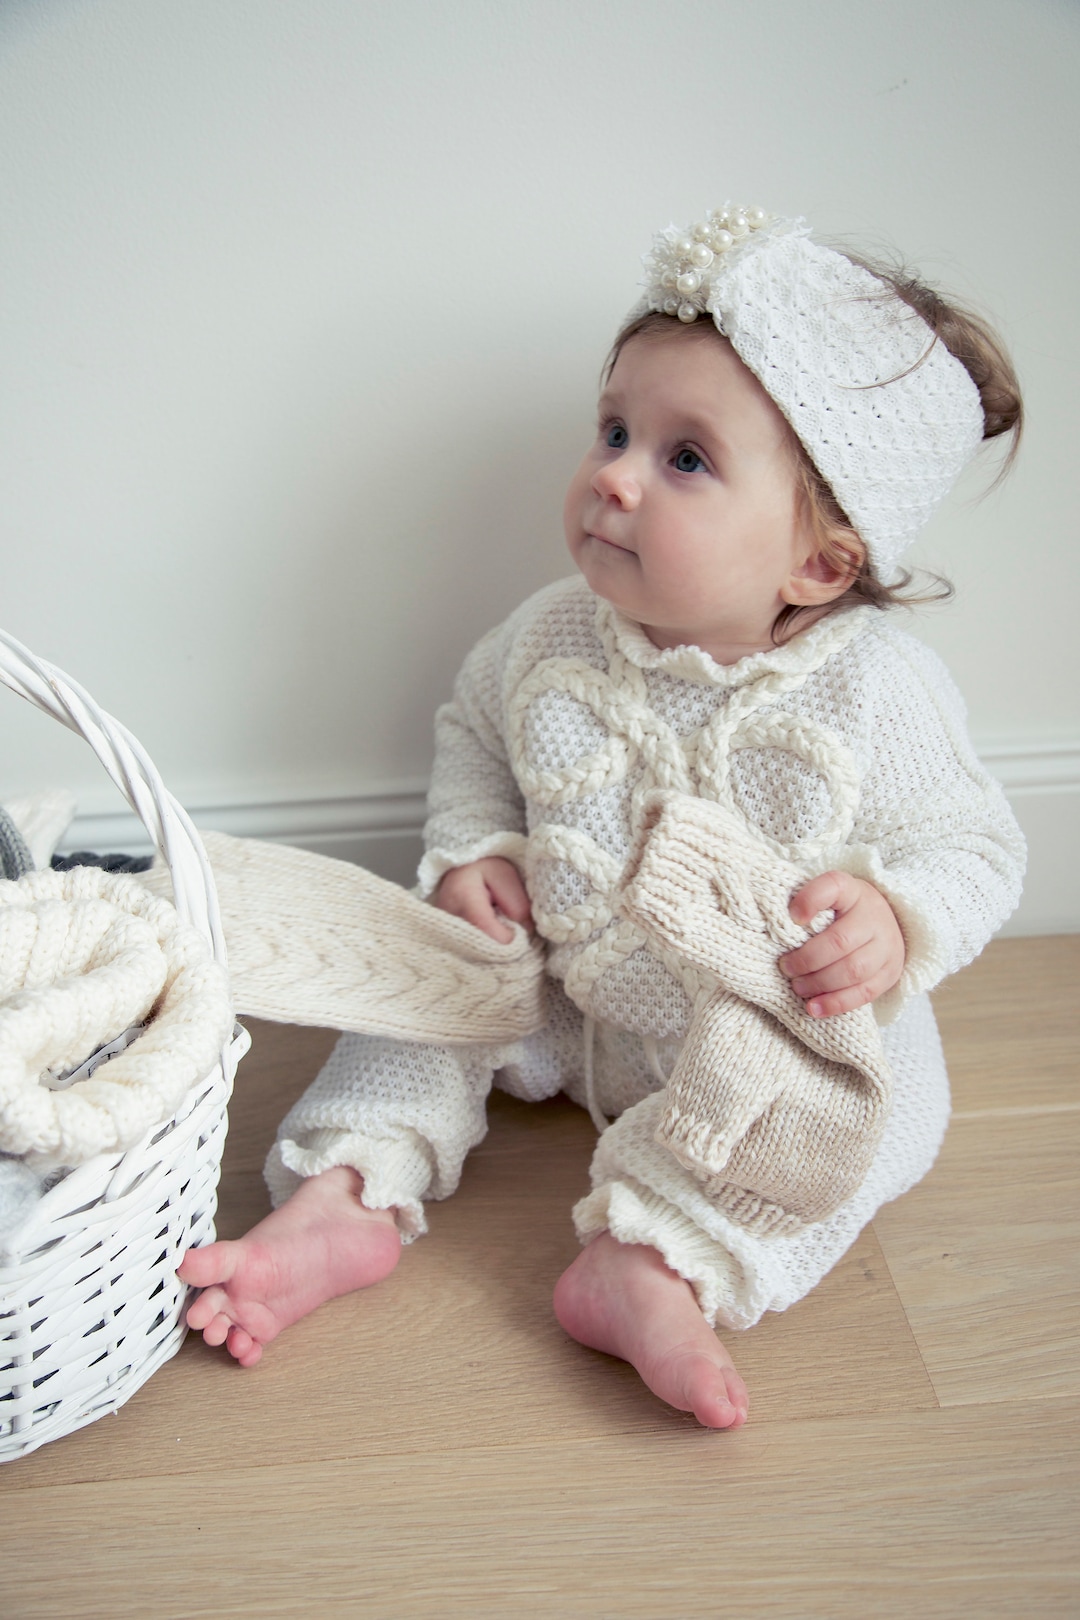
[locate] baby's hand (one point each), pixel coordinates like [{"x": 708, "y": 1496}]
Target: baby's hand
[
  {"x": 857, "y": 958},
  {"x": 485, "y": 893}
]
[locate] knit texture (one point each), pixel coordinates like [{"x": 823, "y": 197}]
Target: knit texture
[
  {"x": 313, "y": 940},
  {"x": 42, "y": 820},
  {"x": 402, "y": 1113},
  {"x": 887, "y": 414},
  {"x": 84, "y": 955},
  {"x": 779, "y": 1114},
  {"x": 15, "y": 857},
  {"x": 845, "y": 748},
  {"x": 642, "y": 1194}
]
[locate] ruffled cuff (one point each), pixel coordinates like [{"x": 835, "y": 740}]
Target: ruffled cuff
[
  {"x": 632, "y": 1213},
  {"x": 397, "y": 1171},
  {"x": 511, "y": 846}
]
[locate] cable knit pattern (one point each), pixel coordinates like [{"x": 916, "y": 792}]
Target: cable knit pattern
[
  {"x": 642, "y": 1194},
  {"x": 85, "y": 954},
  {"x": 845, "y": 747},
  {"x": 314, "y": 940},
  {"x": 779, "y": 1130}
]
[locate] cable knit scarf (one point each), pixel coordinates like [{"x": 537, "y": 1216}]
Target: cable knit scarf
[{"x": 314, "y": 940}]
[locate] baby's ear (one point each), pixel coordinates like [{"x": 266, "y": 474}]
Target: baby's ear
[{"x": 818, "y": 577}]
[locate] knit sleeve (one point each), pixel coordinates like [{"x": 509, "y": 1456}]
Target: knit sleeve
[
  {"x": 935, "y": 833},
  {"x": 475, "y": 808}
]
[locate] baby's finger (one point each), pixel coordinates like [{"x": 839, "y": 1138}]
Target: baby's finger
[
  {"x": 831, "y": 891},
  {"x": 482, "y": 914},
  {"x": 510, "y": 895},
  {"x": 842, "y": 938},
  {"x": 858, "y": 967},
  {"x": 472, "y": 903},
  {"x": 841, "y": 1001}
]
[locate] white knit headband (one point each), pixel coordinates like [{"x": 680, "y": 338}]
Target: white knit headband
[{"x": 887, "y": 414}]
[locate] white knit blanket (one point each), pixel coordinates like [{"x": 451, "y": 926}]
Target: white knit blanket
[{"x": 84, "y": 955}]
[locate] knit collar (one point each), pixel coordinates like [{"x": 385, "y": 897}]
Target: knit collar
[{"x": 801, "y": 656}]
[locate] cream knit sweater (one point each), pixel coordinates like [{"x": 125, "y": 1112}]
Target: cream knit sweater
[
  {"x": 844, "y": 748},
  {"x": 847, "y": 747}
]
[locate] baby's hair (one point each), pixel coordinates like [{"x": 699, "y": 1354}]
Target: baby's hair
[{"x": 972, "y": 341}]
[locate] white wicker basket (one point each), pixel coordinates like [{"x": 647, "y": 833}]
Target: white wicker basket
[{"x": 91, "y": 1305}]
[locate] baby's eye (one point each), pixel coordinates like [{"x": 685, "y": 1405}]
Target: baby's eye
[
  {"x": 616, "y": 436},
  {"x": 687, "y": 460}
]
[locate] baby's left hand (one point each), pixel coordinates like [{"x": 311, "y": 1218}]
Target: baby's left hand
[{"x": 856, "y": 958}]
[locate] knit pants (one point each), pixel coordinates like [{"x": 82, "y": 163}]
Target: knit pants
[{"x": 405, "y": 1114}]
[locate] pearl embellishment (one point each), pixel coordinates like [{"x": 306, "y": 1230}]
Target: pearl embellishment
[{"x": 682, "y": 265}]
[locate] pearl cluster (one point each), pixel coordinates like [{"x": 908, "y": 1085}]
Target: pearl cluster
[{"x": 679, "y": 266}]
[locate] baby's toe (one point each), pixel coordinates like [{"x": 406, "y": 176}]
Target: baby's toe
[
  {"x": 217, "y": 1329},
  {"x": 201, "y": 1311},
  {"x": 243, "y": 1347},
  {"x": 213, "y": 1264},
  {"x": 716, "y": 1410},
  {"x": 737, "y": 1395}
]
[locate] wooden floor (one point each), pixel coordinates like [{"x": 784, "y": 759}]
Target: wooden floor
[{"x": 438, "y": 1447}]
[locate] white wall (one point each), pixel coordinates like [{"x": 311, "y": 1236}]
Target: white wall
[{"x": 303, "y": 306}]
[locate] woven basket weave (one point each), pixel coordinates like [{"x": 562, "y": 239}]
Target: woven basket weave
[{"x": 91, "y": 1304}]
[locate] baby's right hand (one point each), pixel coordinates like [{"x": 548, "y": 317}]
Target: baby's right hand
[{"x": 486, "y": 893}]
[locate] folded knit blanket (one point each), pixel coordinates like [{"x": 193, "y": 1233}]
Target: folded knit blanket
[
  {"x": 777, "y": 1113},
  {"x": 84, "y": 955},
  {"x": 313, "y": 940}
]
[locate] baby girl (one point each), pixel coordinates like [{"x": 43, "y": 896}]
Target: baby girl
[{"x": 777, "y": 423}]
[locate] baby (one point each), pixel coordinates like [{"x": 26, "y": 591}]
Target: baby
[{"x": 777, "y": 422}]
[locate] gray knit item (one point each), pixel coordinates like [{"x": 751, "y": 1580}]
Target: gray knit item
[{"x": 15, "y": 858}]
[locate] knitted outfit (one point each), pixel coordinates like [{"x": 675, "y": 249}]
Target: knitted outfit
[{"x": 620, "y": 779}]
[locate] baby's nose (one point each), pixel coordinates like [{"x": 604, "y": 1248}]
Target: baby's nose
[{"x": 617, "y": 480}]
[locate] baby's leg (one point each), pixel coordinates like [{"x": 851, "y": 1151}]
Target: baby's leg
[
  {"x": 389, "y": 1120},
  {"x": 321, "y": 1242},
  {"x": 645, "y": 1203},
  {"x": 621, "y": 1298}
]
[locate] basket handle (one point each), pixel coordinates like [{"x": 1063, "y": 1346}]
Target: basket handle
[{"x": 124, "y": 758}]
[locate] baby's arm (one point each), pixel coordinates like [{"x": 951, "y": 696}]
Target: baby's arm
[
  {"x": 476, "y": 813},
  {"x": 486, "y": 893},
  {"x": 857, "y": 958},
  {"x": 934, "y": 843}
]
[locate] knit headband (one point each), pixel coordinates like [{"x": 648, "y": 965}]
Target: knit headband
[{"x": 888, "y": 416}]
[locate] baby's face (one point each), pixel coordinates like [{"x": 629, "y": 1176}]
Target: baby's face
[{"x": 683, "y": 512}]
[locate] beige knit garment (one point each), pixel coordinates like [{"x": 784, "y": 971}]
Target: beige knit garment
[
  {"x": 777, "y": 1113},
  {"x": 313, "y": 940}
]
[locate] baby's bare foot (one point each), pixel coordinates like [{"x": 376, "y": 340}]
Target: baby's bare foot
[
  {"x": 322, "y": 1242},
  {"x": 621, "y": 1298}
]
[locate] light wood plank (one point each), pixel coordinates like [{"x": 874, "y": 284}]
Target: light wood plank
[
  {"x": 442, "y": 1352},
  {"x": 927, "y": 1514},
  {"x": 437, "y": 1447},
  {"x": 1010, "y": 1024},
  {"x": 983, "y": 1255}
]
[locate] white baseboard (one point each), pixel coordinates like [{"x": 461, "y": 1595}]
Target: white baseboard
[
  {"x": 381, "y": 829},
  {"x": 1042, "y": 782}
]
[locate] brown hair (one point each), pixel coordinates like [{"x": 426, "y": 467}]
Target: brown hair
[{"x": 977, "y": 347}]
